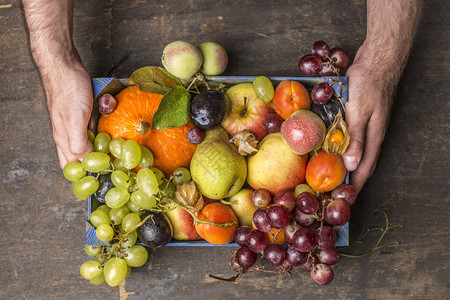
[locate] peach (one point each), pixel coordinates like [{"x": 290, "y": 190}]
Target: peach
[
  {"x": 182, "y": 225},
  {"x": 303, "y": 131},
  {"x": 215, "y": 58}
]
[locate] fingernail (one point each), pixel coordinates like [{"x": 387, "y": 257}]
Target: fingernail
[{"x": 351, "y": 162}]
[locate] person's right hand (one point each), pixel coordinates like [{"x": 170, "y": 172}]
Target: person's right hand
[{"x": 69, "y": 99}]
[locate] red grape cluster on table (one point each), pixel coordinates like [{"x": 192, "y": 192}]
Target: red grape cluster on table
[{"x": 307, "y": 221}]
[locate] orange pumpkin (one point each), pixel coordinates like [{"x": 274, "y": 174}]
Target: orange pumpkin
[{"x": 132, "y": 119}]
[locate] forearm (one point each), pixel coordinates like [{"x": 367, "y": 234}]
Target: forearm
[
  {"x": 50, "y": 29},
  {"x": 390, "y": 32}
]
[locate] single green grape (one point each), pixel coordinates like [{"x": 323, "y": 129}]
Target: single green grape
[
  {"x": 115, "y": 271},
  {"x": 101, "y": 143},
  {"x": 104, "y": 208},
  {"x": 128, "y": 272},
  {"x": 91, "y": 136},
  {"x": 147, "y": 182},
  {"x": 159, "y": 175},
  {"x": 169, "y": 188},
  {"x": 141, "y": 200},
  {"x": 115, "y": 147},
  {"x": 85, "y": 187},
  {"x": 120, "y": 179},
  {"x": 263, "y": 88},
  {"x": 98, "y": 280},
  {"x": 133, "y": 208},
  {"x": 130, "y": 221},
  {"x": 136, "y": 256},
  {"x": 74, "y": 171},
  {"x": 146, "y": 157},
  {"x": 131, "y": 240},
  {"x": 117, "y": 197},
  {"x": 90, "y": 269},
  {"x": 118, "y": 165},
  {"x": 96, "y": 162},
  {"x": 131, "y": 154},
  {"x": 99, "y": 217},
  {"x": 117, "y": 214},
  {"x": 104, "y": 233},
  {"x": 181, "y": 176},
  {"x": 79, "y": 196},
  {"x": 92, "y": 250}
]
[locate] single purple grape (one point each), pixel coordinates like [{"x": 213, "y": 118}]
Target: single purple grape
[
  {"x": 321, "y": 48},
  {"x": 304, "y": 240},
  {"x": 340, "y": 58},
  {"x": 286, "y": 198},
  {"x": 278, "y": 216},
  {"x": 307, "y": 203},
  {"x": 310, "y": 64},
  {"x": 321, "y": 93},
  {"x": 309, "y": 264},
  {"x": 272, "y": 123},
  {"x": 302, "y": 219},
  {"x": 346, "y": 192},
  {"x": 245, "y": 257},
  {"x": 241, "y": 235},
  {"x": 256, "y": 241},
  {"x": 294, "y": 257},
  {"x": 261, "y": 197},
  {"x": 289, "y": 232},
  {"x": 325, "y": 237},
  {"x": 327, "y": 70},
  {"x": 329, "y": 256},
  {"x": 338, "y": 212},
  {"x": 322, "y": 274},
  {"x": 260, "y": 219},
  {"x": 195, "y": 136},
  {"x": 275, "y": 255},
  {"x": 106, "y": 104}
]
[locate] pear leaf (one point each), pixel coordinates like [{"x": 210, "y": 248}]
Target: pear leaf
[
  {"x": 174, "y": 109},
  {"x": 153, "y": 80}
]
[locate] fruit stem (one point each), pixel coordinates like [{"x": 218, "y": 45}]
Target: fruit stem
[
  {"x": 203, "y": 79},
  {"x": 142, "y": 127}
]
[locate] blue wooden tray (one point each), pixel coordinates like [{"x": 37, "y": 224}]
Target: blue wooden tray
[{"x": 114, "y": 86}]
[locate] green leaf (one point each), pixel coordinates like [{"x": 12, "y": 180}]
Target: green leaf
[
  {"x": 172, "y": 76},
  {"x": 174, "y": 109},
  {"x": 153, "y": 80}
]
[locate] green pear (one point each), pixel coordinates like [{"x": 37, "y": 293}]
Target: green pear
[
  {"x": 242, "y": 205},
  {"x": 217, "y": 168}
]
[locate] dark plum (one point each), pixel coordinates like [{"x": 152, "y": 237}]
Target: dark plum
[
  {"x": 208, "y": 109},
  {"x": 328, "y": 111}
]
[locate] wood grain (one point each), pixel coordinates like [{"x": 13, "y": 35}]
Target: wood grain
[{"x": 42, "y": 226}]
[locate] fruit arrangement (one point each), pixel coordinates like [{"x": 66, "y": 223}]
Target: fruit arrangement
[{"x": 251, "y": 162}]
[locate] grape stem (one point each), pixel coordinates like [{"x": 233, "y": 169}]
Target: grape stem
[{"x": 384, "y": 229}]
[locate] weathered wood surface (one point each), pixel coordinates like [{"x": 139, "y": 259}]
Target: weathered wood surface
[{"x": 42, "y": 226}]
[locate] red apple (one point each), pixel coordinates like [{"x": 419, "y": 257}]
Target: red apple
[
  {"x": 246, "y": 111},
  {"x": 303, "y": 131}
]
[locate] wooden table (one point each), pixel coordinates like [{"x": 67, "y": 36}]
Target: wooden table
[{"x": 42, "y": 227}]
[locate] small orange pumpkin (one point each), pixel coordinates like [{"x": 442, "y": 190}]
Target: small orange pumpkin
[{"x": 132, "y": 119}]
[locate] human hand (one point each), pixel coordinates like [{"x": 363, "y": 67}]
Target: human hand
[
  {"x": 367, "y": 115},
  {"x": 69, "y": 100}
]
